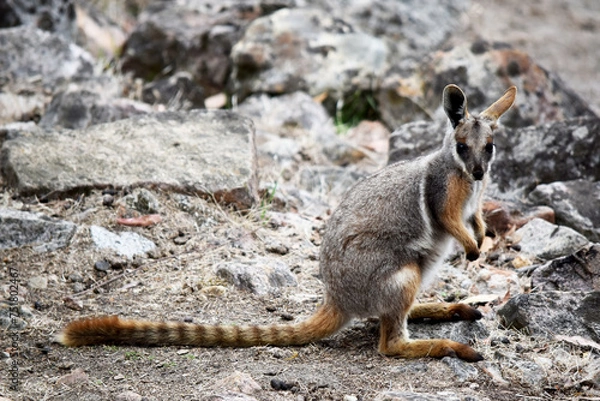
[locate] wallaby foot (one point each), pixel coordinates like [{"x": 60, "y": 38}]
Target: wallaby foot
[
  {"x": 443, "y": 312},
  {"x": 434, "y": 348},
  {"x": 394, "y": 341}
]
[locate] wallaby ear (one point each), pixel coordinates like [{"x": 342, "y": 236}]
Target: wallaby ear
[
  {"x": 455, "y": 104},
  {"x": 501, "y": 105}
]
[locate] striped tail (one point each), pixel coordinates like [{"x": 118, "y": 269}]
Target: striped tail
[{"x": 111, "y": 330}]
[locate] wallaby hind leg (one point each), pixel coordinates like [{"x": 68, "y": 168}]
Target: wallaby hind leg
[
  {"x": 394, "y": 340},
  {"x": 443, "y": 312}
]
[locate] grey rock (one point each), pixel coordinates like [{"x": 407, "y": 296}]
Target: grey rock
[
  {"x": 483, "y": 70},
  {"x": 77, "y": 108},
  {"x": 577, "y": 272},
  {"x": 51, "y": 15},
  {"x": 30, "y": 54},
  {"x": 145, "y": 201},
  {"x": 178, "y": 92},
  {"x": 128, "y": 396},
  {"x": 187, "y": 36},
  {"x": 44, "y": 234},
  {"x": 525, "y": 157},
  {"x": 259, "y": 276},
  {"x": 462, "y": 331},
  {"x": 560, "y": 151},
  {"x": 415, "y": 139},
  {"x": 327, "y": 56},
  {"x": 410, "y": 28},
  {"x": 203, "y": 152},
  {"x": 543, "y": 240},
  {"x": 463, "y": 370},
  {"x": 229, "y": 396},
  {"x": 411, "y": 396},
  {"x": 551, "y": 313},
  {"x": 575, "y": 204},
  {"x": 38, "y": 282},
  {"x": 126, "y": 244}
]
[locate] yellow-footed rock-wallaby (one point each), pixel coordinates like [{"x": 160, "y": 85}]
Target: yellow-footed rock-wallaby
[{"x": 381, "y": 245}]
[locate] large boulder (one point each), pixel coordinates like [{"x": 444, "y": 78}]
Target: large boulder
[
  {"x": 575, "y": 204},
  {"x": 548, "y": 314},
  {"x": 30, "y": 73},
  {"x": 577, "y": 272},
  {"x": 308, "y": 50},
  {"x": 49, "y": 15},
  {"x": 210, "y": 153},
  {"x": 483, "y": 71},
  {"x": 525, "y": 157},
  {"x": 196, "y": 37}
]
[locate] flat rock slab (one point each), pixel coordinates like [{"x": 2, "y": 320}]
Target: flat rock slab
[
  {"x": 127, "y": 244},
  {"x": 44, "y": 234},
  {"x": 543, "y": 240},
  {"x": 554, "y": 313},
  {"x": 259, "y": 276},
  {"x": 577, "y": 272},
  {"x": 209, "y": 153}
]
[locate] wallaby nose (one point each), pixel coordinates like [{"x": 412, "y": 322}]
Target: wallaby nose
[{"x": 478, "y": 174}]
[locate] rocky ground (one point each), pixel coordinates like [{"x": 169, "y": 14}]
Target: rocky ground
[{"x": 179, "y": 161}]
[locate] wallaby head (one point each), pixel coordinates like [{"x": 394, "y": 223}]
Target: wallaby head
[{"x": 471, "y": 140}]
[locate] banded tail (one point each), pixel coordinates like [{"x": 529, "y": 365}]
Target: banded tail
[{"x": 111, "y": 330}]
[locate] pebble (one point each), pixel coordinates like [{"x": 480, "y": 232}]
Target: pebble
[
  {"x": 76, "y": 376},
  {"x": 78, "y": 287},
  {"x": 102, "y": 265},
  {"x": 75, "y": 278},
  {"x": 129, "y": 396},
  {"x": 280, "y": 385},
  {"x": 38, "y": 282},
  {"x": 108, "y": 200}
]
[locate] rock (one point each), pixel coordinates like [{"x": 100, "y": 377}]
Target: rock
[
  {"x": 543, "y": 240},
  {"x": 577, "y": 272},
  {"x": 547, "y": 314},
  {"x": 415, "y": 139},
  {"x": 129, "y": 396},
  {"x": 237, "y": 382},
  {"x": 308, "y": 50},
  {"x": 56, "y": 16},
  {"x": 210, "y": 153},
  {"x": 501, "y": 216},
  {"x": 482, "y": 72},
  {"x": 294, "y": 125},
  {"x": 411, "y": 29},
  {"x": 126, "y": 244},
  {"x": 462, "y": 331},
  {"x": 188, "y": 36},
  {"x": 463, "y": 370},
  {"x": 538, "y": 150},
  {"x": 97, "y": 32},
  {"x": 560, "y": 151},
  {"x": 178, "y": 92},
  {"x": 44, "y": 234},
  {"x": 30, "y": 71},
  {"x": 229, "y": 397},
  {"x": 145, "y": 201},
  {"x": 38, "y": 282},
  {"x": 333, "y": 181},
  {"x": 575, "y": 204},
  {"x": 259, "y": 276},
  {"x": 78, "y": 107},
  {"x": 411, "y": 396},
  {"x": 78, "y": 376}
]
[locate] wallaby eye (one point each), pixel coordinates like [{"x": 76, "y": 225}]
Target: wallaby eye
[
  {"x": 462, "y": 148},
  {"x": 489, "y": 148}
]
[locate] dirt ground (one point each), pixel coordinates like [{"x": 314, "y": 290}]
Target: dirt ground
[{"x": 178, "y": 282}]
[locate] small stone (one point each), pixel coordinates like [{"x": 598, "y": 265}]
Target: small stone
[
  {"x": 75, "y": 278},
  {"x": 108, "y": 200},
  {"x": 75, "y": 377},
  {"x": 78, "y": 287},
  {"x": 129, "y": 396},
  {"x": 237, "y": 382},
  {"x": 38, "y": 282},
  {"x": 119, "y": 377},
  {"x": 102, "y": 265},
  {"x": 280, "y": 385},
  {"x": 287, "y": 317},
  {"x": 145, "y": 202}
]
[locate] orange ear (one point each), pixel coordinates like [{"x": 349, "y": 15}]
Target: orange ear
[{"x": 501, "y": 105}]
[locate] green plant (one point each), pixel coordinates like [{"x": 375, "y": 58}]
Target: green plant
[{"x": 352, "y": 109}]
